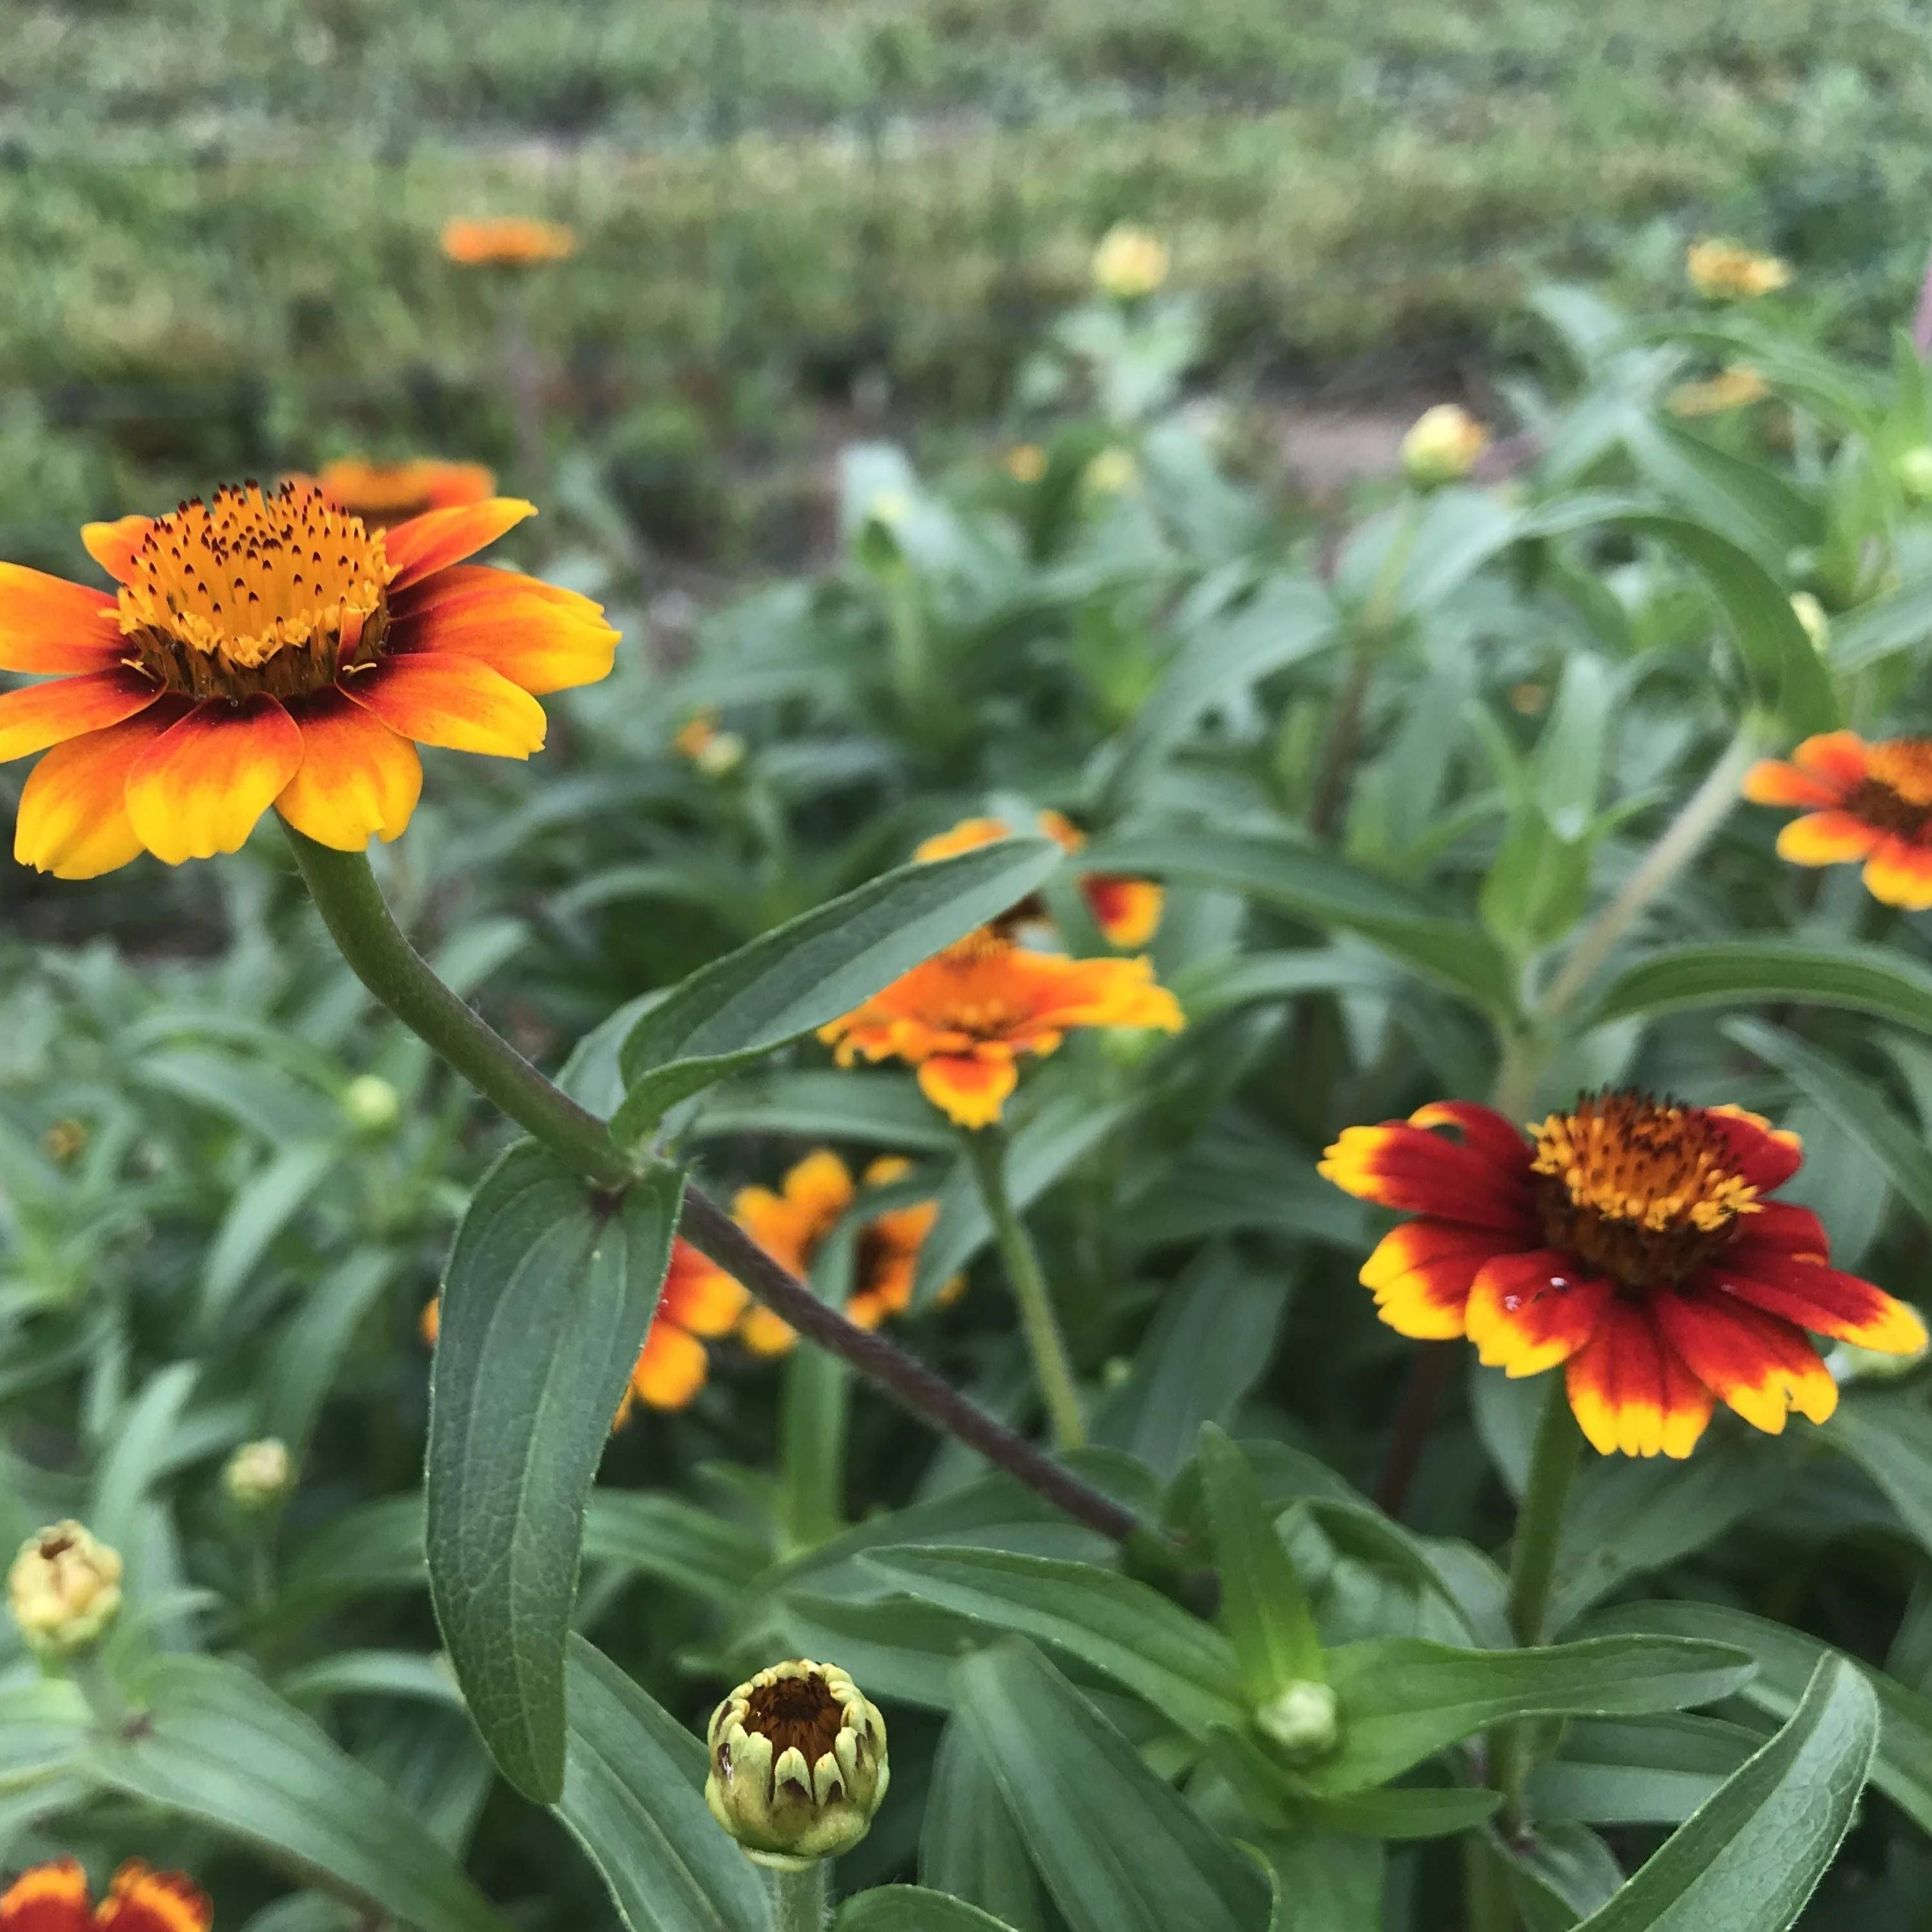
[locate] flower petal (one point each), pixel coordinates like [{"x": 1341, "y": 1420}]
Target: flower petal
[
  {"x": 51, "y": 628},
  {"x": 112, "y": 545},
  {"x": 440, "y": 537},
  {"x": 1832, "y": 838},
  {"x": 671, "y": 1366},
  {"x": 1900, "y": 874},
  {"x": 1765, "y": 1156},
  {"x": 1838, "y": 759},
  {"x": 200, "y": 787},
  {"x": 1490, "y": 1133},
  {"x": 970, "y": 1089},
  {"x": 698, "y": 1294},
  {"x": 1786, "y": 1228},
  {"x": 142, "y": 1900},
  {"x": 41, "y": 715},
  {"x": 764, "y": 1332},
  {"x": 1771, "y": 782},
  {"x": 1420, "y": 1273},
  {"x": 1630, "y": 1392},
  {"x": 357, "y": 778},
  {"x": 1409, "y": 1167},
  {"x": 1528, "y": 1312},
  {"x": 73, "y": 820},
  {"x": 1127, "y": 911},
  {"x": 450, "y": 701},
  {"x": 536, "y": 635},
  {"x": 1826, "y": 1300},
  {"x": 1762, "y": 1367},
  {"x": 48, "y": 1898}
]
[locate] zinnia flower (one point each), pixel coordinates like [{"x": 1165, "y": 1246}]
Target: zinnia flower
[
  {"x": 507, "y": 241},
  {"x": 382, "y": 493},
  {"x": 964, "y": 1016},
  {"x": 1727, "y": 270},
  {"x": 55, "y": 1898},
  {"x": 271, "y": 649},
  {"x": 1126, "y": 910},
  {"x": 1871, "y": 802},
  {"x": 1632, "y": 1240},
  {"x": 790, "y": 1224},
  {"x": 1733, "y": 388},
  {"x": 699, "y": 1300}
]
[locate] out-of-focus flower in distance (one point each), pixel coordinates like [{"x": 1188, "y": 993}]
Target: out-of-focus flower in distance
[
  {"x": 1863, "y": 802},
  {"x": 382, "y": 493},
  {"x": 1442, "y": 445},
  {"x": 1734, "y": 387},
  {"x": 1026, "y": 462},
  {"x": 714, "y": 752},
  {"x": 506, "y": 241},
  {"x": 1724, "y": 270},
  {"x": 259, "y": 1474},
  {"x": 268, "y": 648},
  {"x": 55, "y": 1897},
  {"x": 371, "y": 1104},
  {"x": 1111, "y": 472},
  {"x": 65, "y": 1141},
  {"x": 1129, "y": 263}
]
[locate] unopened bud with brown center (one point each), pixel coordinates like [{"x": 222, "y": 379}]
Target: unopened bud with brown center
[
  {"x": 798, "y": 1764},
  {"x": 64, "y": 1589}
]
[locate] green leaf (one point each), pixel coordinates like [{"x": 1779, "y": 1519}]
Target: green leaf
[
  {"x": 1403, "y": 1699},
  {"x": 1323, "y": 1881},
  {"x": 818, "y": 1103},
  {"x": 307, "y": 1356},
  {"x": 1119, "y": 1850},
  {"x": 1639, "y": 1771},
  {"x": 911, "y": 1908},
  {"x": 1328, "y": 893},
  {"x": 1264, "y": 1608},
  {"x": 633, "y": 1797},
  {"x": 1732, "y": 972},
  {"x": 673, "y": 1541},
  {"x": 1184, "y": 1668},
  {"x": 261, "y": 1208},
  {"x": 1855, "y": 1104},
  {"x": 789, "y": 981},
  {"x": 1749, "y": 1858},
  {"x": 969, "y": 1845},
  {"x": 1896, "y": 621},
  {"x": 1786, "y": 1660},
  {"x": 1889, "y": 1436},
  {"x": 1403, "y": 1811},
  {"x": 218, "y": 1746},
  {"x": 1750, "y": 503},
  {"x": 549, "y": 1293}
]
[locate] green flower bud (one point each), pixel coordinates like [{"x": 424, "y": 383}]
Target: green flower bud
[
  {"x": 1810, "y": 613},
  {"x": 64, "y": 1589},
  {"x": 371, "y": 1103},
  {"x": 259, "y": 1474},
  {"x": 1913, "y": 469},
  {"x": 1442, "y": 445},
  {"x": 798, "y": 1764},
  {"x": 1303, "y": 1720}
]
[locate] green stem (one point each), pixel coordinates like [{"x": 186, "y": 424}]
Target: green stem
[
  {"x": 801, "y": 1896},
  {"x": 1486, "y": 1894},
  {"x": 1553, "y": 1463},
  {"x": 1052, "y": 1370}
]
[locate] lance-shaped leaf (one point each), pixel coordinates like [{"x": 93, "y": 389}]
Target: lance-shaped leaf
[
  {"x": 1874, "y": 979},
  {"x": 549, "y": 1293},
  {"x": 789, "y": 981},
  {"x": 911, "y": 1908}
]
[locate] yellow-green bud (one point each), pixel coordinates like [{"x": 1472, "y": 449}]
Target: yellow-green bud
[
  {"x": 798, "y": 1764},
  {"x": 65, "y": 1141},
  {"x": 1848, "y": 1363},
  {"x": 723, "y": 753},
  {"x": 1303, "y": 1720},
  {"x": 1442, "y": 445},
  {"x": 1129, "y": 263},
  {"x": 1810, "y": 613},
  {"x": 371, "y": 1103},
  {"x": 1913, "y": 469},
  {"x": 1112, "y": 471},
  {"x": 259, "y": 1474},
  {"x": 64, "y": 1589}
]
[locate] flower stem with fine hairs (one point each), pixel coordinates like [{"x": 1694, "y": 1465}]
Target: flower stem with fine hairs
[
  {"x": 986, "y": 1147},
  {"x": 352, "y": 907},
  {"x": 801, "y": 1897}
]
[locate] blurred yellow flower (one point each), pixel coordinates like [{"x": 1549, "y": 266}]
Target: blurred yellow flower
[
  {"x": 1129, "y": 262},
  {"x": 1111, "y": 472},
  {"x": 1729, "y": 272},
  {"x": 1442, "y": 445},
  {"x": 1733, "y": 388},
  {"x": 1026, "y": 462},
  {"x": 507, "y": 241}
]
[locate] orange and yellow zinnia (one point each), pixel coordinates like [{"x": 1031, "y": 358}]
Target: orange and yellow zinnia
[
  {"x": 265, "y": 649},
  {"x": 1728, "y": 271},
  {"x": 506, "y": 241},
  {"x": 790, "y": 1223},
  {"x": 963, "y": 1017},
  {"x": 1127, "y": 911},
  {"x": 1868, "y": 802},
  {"x": 54, "y": 1897},
  {"x": 1631, "y": 1241},
  {"x": 383, "y": 493}
]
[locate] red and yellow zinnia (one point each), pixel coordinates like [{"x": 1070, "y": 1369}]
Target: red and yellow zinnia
[
  {"x": 54, "y": 1897},
  {"x": 1631, "y": 1241},
  {"x": 268, "y": 648},
  {"x": 963, "y": 1017},
  {"x": 1868, "y": 801}
]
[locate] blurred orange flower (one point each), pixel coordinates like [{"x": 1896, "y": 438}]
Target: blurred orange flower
[
  {"x": 507, "y": 241},
  {"x": 1870, "y": 802},
  {"x": 1728, "y": 271},
  {"x": 1735, "y": 387},
  {"x": 790, "y": 1224},
  {"x": 382, "y": 493},
  {"x": 55, "y": 1898},
  {"x": 1126, "y": 910},
  {"x": 1631, "y": 1240},
  {"x": 963, "y": 1017},
  {"x": 268, "y": 648}
]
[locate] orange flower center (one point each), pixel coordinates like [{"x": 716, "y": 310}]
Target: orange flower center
[
  {"x": 1641, "y": 1190},
  {"x": 1895, "y": 794},
  {"x": 968, "y": 991},
  {"x": 250, "y": 593}
]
